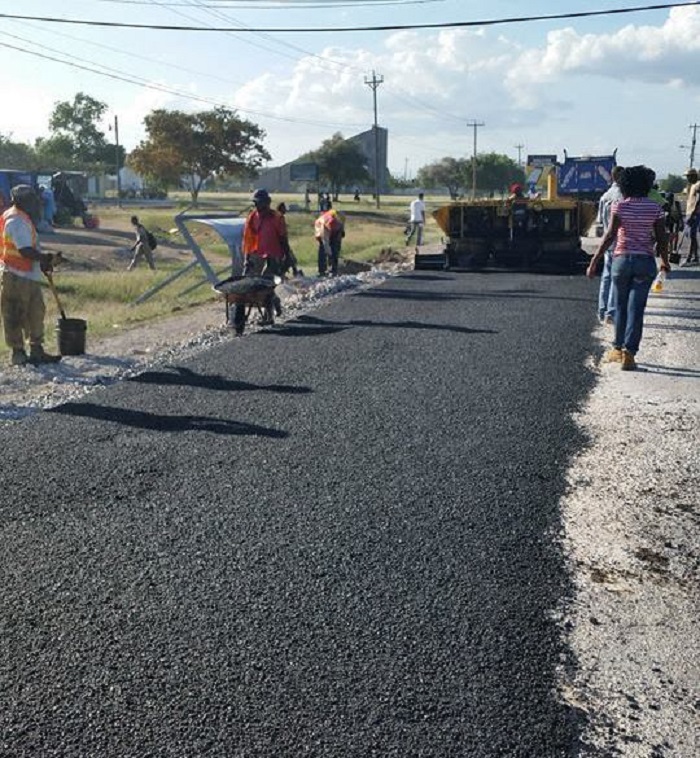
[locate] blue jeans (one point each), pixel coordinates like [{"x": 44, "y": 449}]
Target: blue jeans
[
  {"x": 606, "y": 294},
  {"x": 632, "y": 277}
]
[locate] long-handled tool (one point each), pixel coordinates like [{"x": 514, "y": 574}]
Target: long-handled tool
[{"x": 54, "y": 292}]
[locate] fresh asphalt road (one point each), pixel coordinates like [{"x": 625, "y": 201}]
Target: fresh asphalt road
[{"x": 337, "y": 538}]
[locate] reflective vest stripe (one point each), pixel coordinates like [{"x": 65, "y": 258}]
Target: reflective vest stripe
[{"x": 10, "y": 256}]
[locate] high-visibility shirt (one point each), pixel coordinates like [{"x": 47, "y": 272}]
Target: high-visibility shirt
[
  {"x": 265, "y": 234},
  {"x": 17, "y": 232},
  {"x": 328, "y": 222}
]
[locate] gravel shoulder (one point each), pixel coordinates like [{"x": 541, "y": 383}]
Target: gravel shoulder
[{"x": 632, "y": 531}]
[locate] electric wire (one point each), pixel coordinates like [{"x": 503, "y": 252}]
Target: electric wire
[
  {"x": 131, "y": 79},
  {"x": 298, "y": 5},
  {"x": 399, "y": 94},
  {"x": 342, "y": 29}
]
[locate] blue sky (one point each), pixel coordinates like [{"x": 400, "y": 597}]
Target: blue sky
[{"x": 630, "y": 82}]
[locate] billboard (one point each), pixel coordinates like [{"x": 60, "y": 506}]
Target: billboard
[{"x": 303, "y": 172}]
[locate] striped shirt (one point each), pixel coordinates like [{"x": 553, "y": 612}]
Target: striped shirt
[{"x": 637, "y": 216}]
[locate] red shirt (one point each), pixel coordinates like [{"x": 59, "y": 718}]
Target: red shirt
[{"x": 264, "y": 234}]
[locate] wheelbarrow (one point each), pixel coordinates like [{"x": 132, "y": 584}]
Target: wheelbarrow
[{"x": 248, "y": 294}]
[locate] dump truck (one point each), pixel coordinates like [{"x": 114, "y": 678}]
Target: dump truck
[
  {"x": 541, "y": 233},
  {"x": 586, "y": 177}
]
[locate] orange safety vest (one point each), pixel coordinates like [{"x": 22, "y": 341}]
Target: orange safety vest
[
  {"x": 252, "y": 234},
  {"x": 10, "y": 256}
]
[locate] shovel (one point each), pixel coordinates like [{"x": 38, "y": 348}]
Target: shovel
[{"x": 54, "y": 292}]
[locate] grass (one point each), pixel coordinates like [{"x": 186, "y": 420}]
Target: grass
[{"x": 105, "y": 299}]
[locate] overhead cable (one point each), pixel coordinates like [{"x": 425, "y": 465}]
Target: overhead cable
[
  {"x": 337, "y": 29},
  {"x": 130, "y": 79}
]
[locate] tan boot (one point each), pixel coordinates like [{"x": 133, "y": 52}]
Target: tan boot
[
  {"x": 614, "y": 355},
  {"x": 628, "y": 362}
]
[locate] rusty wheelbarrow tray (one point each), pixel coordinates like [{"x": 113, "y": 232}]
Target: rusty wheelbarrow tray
[{"x": 250, "y": 292}]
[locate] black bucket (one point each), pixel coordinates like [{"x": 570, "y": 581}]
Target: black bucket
[{"x": 70, "y": 335}]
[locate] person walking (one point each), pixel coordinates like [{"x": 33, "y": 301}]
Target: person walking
[
  {"x": 329, "y": 231},
  {"x": 142, "y": 247},
  {"x": 637, "y": 225},
  {"x": 416, "y": 222},
  {"x": 606, "y": 292},
  {"x": 692, "y": 215},
  {"x": 21, "y": 265},
  {"x": 265, "y": 246}
]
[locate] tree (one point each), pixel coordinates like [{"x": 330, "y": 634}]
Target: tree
[
  {"x": 76, "y": 123},
  {"x": 447, "y": 172},
  {"x": 197, "y": 146},
  {"x": 673, "y": 183},
  {"x": 17, "y": 155},
  {"x": 55, "y": 152},
  {"x": 340, "y": 162},
  {"x": 495, "y": 172}
]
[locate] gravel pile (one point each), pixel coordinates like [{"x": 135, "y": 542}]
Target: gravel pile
[{"x": 632, "y": 518}]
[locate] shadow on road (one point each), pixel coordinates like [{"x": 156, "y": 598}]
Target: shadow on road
[
  {"x": 181, "y": 376},
  {"x": 157, "y": 422},
  {"x": 525, "y": 294},
  {"x": 309, "y": 326},
  {"x": 682, "y": 371}
]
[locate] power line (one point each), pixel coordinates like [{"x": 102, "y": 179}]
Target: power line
[
  {"x": 337, "y": 29},
  {"x": 130, "y": 79},
  {"x": 299, "y": 5}
]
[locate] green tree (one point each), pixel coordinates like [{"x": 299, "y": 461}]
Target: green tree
[
  {"x": 448, "y": 172},
  {"x": 17, "y": 155},
  {"x": 77, "y": 122},
  {"x": 341, "y": 163},
  {"x": 56, "y": 152},
  {"x": 495, "y": 172},
  {"x": 673, "y": 183},
  {"x": 197, "y": 146}
]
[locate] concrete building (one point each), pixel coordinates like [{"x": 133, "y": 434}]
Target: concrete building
[{"x": 278, "y": 178}]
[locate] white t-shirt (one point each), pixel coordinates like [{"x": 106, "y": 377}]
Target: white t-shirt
[
  {"x": 21, "y": 233},
  {"x": 417, "y": 210}
]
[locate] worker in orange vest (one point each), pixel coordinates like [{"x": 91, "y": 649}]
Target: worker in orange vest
[
  {"x": 329, "y": 230},
  {"x": 22, "y": 264},
  {"x": 265, "y": 246}
]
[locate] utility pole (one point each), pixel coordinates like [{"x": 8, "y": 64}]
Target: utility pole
[
  {"x": 373, "y": 84},
  {"x": 694, "y": 127},
  {"x": 519, "y": 147},
  {"x": 116, "y": 160},
  {"x": 405, "y": 169},
  {"x": 475, "y": 125}
]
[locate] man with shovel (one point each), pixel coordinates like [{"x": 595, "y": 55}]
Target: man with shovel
[{"x": 21, "y": 267}]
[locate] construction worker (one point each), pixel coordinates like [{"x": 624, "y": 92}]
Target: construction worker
[
  {"x": 265, "y": 247},
  {"x": 329, "y": 230},
  {"x": 22, "y": 264},
  {"x": 692, "y": 215}
]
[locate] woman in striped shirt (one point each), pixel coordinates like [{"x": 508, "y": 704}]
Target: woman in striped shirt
[{"x": 637, "y": 227}]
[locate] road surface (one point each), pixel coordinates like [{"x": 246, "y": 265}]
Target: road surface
[{"x": 336, "y": 538}]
